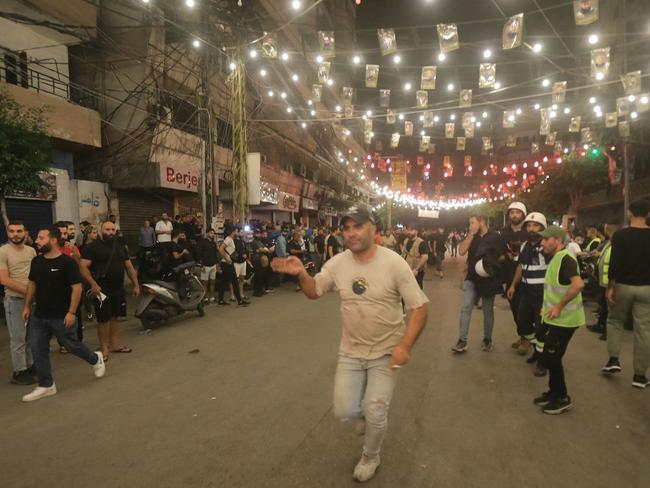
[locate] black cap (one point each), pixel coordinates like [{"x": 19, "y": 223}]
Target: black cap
[{"x": 358, "y": 213}]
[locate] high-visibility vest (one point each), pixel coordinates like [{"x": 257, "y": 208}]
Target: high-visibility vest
[
  {"x": 573, "y": 314},
  {"x": 603, "y": 265},
  {"x": 595, "y": 239}
]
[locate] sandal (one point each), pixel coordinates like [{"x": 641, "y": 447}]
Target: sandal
[{"x": 122, "y": 349}]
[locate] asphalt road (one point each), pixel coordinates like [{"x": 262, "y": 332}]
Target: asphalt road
[{"x": 242, "y": 398}]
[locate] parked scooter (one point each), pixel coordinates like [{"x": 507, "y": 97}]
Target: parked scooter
[{"x": 178, "y": 292}]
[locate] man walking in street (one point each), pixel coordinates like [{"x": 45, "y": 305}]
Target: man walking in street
[
  {"x": 514, "y": 236},
  {"x": 102, "y": 266},
  {"x": 562, "y": 314},
  {"x": 629, "y": 291},
  {"x": 370, "y": 280},
  {"x": 55, "y": 285},
  {"x": 486, "y": 249},
  {"x": 416, "y": 254},
  {"x": 15, "y": 260},
  {"x": 529, "y": 280}
]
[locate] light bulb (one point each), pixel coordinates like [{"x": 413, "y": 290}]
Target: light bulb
[
  {"x": 634, "y": 115},
  {"x": 400, "y": 116},
  {"x": 294, "y": 77},
  {"x": 407, "y": 87},
  {"x": 253, "y": 53},
  {"x": 319, "y": 59},
  {"x": 450, "y": 87},
  {"x": 289, "y": 109},
  {"x": 546, "y": 82},
  {"x": 296, "y": 4},
  {"x": 337, "y": 108},
  {"x": 497, "y": 85},
  {"x": 303, "y": 125},
  {"x": 593, "y": 39},
  {"x": 397, "y": 59},
  {"x": 262, "y": 72},
  {"x": 487, "y": 54},
  {"x": 196, "y": 43},
  {"x": 271, "y": 93},
  {"x": 631, "y": 98},
  {"x": 189, "y": 3},
  {"x": 442, "y": 56},
  {"x": 567, "y": 110},
  {"x": 537, "y": 106},
  {"x": 285, "y": 56},
  {"x": 537, "y": 47},
  {"x": 232, "y": 66},
  {"x": 485, "y": 115},
  {"x": 283, "y": 95},
  {"x": 356, "y": 60},
  {"x": 330, "y": 82},
  {"x": 592, "y": 100},
  {"x": 600, "y": 76}
]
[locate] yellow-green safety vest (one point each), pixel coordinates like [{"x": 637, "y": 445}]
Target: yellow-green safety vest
[
  {"x": 603, "y": 265},
  {"x": 595, "y": 239},
  {"x": 573, "y": 314}
]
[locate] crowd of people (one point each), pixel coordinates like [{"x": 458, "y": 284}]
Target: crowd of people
[{"x": 541, "y": 269}]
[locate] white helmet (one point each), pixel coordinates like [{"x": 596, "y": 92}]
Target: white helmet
[
  {"x": 480, "y": 269},
  {"x": 536, "y": 217},
  {"x": 517, "y": 206}
]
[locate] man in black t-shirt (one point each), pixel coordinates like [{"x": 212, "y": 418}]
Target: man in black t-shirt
[
  {"x": 514, "y": 236},
  {"x": 333, "y": 243},
  {"x": 102, "y": 266},
  {"x": 319, "y": 248},
  {"x": 488, "y": 247},
  {"x": 55, "y": 285},
  {"x": 629, "y": 291}
]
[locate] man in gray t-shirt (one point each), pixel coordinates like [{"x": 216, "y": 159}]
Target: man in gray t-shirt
[{"x": 375, "y": 341}]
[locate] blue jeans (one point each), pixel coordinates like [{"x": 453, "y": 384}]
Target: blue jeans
[
  {"x": 41, "y": 333},
  {"x": 470, "y": 299},
  {"x": 364, "y": 388}
]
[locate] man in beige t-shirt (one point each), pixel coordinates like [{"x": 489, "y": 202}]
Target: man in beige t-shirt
[
  {"x": 375, "y": 341},
  {"x": 15, "y": 261}
]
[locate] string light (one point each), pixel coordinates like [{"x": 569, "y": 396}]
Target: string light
[
  {"x": 304, "y": 125},
  {"x": 567, "y": 110},
  {"x": 285, "y": 56},
  {"x": 634, "y": 115},
  {"x": 330, "y": 82},
  {"x": 296, "y": 4},
  {"x": 537, "y": 47},
  {"x": 450, "y": 87},
  {"x": 442, "y": 57},
  {"x": 397, "y": 59},
  {"x": 319, "y": 59},
  {"x": 631, "y": 98},
  {"x": 310, "y": 103},
  {"x": 337, "y": 108},
  {"x": 400, "y": 116},
  {"x": 232, "y": 66},
  {"x": 289, "y": 109},
  {"x": 537, "y": 106},
  {"x": 283, "y": 95},
  {"x": 436, "y": 119},
  {"x": 592, "y": 100},
  {"x": 262, "y": 72},
  {"x": 196, "y": 43},
  {"x": 271, "y": 93},
  {"x": 313, "y": 113},
  {"x": 407, "y": 86},
  {"x": 497, "y": 85},
  {"x": 452, "y": 117},
  {"x": 189, "y": 3},
  {"x": 593, "y": 39},
  {"x": 485, "y": 115},
  {"x": 253, "y": 53},
  {"x": 356, "y": 59},
  {"x": 294, "y": 77},
  {"x": 487, "y": 54},
  {"x": 600, "y": 76}
]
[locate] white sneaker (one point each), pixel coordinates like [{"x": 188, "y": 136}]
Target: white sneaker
[
  {"x": 99, "y": 368},
  {"x": 366, "y": 468},
  {"x": 40, "y": 392}
]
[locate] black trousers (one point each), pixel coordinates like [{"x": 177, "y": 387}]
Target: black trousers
[
  {"x": 528, "y": 313},
  {"x": 228, "y": 277},
  {"x": 555, "y": 345},
  {"x": 604, "y": 309},
  {"x": 514, "y": 304},
  {"x": 261, "y": 279},
  {"x": 420, "y": 278}
]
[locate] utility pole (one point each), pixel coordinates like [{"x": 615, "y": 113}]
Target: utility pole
[
  {"x": 626, "y": 182},
  {"x": 239, "y": 142}
]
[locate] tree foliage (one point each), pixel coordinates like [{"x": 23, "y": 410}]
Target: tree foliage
[
  {"x": 567, "y": 182},
  {"x": 24, "y": 148}
]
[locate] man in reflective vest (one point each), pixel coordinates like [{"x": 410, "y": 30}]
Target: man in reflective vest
[
  {"x": 562, "y": 314},
  {"x": 529, "y": 283},
  {"x": 603, "y": 253}
]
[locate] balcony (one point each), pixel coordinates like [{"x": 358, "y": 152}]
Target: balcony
[{"x": 68, "y": 121}]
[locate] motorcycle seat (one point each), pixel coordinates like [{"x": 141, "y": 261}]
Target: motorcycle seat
[
  {"x": 170, "y": 285},
  {"x": 182, "y": 267}
]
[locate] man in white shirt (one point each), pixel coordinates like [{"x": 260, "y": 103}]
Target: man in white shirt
[
  {"x": 164, "y": 229},
  {"x": 375, "y": 342}
]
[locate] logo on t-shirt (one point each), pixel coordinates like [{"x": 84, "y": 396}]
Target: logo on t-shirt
[{"x": 359, "y": 286}]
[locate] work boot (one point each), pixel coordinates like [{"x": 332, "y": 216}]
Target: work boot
[{"x": 524, "y": 347}]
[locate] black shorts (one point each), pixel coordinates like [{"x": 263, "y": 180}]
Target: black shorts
[{"x": 112, "y": 307}]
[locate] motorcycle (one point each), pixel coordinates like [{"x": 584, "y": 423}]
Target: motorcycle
[{"x": 178, "y": 292}]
